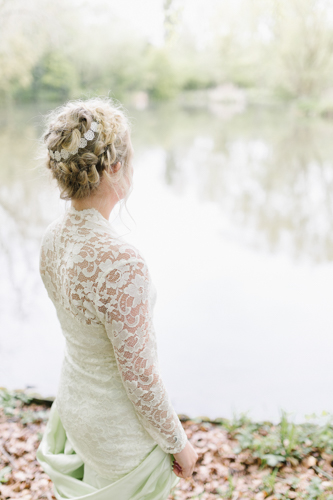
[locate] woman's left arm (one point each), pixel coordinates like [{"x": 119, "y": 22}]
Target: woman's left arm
[{"x": 122, "y": 303}]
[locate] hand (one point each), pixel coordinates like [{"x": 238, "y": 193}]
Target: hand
[{"x": 184, "y": 462}]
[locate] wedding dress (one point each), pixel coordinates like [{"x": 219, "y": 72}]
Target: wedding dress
[{"x": 112, "y": 428}]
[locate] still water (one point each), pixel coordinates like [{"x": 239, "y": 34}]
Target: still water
[{"x": 234, "y": 215}]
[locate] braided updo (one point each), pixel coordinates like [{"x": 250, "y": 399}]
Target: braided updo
[{"x": 80, "y": 174}]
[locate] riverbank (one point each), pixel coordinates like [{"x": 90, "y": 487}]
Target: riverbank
[{"x": 238, "y": 458}]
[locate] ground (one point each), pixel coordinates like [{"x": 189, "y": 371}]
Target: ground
[{"x": 238, "y": 459}]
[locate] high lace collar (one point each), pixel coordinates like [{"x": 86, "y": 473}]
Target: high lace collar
[{"x": 91, "y": 214}]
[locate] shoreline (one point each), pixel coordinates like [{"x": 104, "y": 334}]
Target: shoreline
[{"x": 34, "y": 398}]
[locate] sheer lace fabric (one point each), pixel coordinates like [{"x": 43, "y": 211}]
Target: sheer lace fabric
[{"x": 111, "y": 397}]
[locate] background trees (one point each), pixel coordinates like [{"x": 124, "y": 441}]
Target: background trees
[{"x": 282, "y": 48}]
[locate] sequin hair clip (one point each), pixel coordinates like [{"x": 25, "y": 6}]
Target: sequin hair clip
[{"x": 88, "y": 136}]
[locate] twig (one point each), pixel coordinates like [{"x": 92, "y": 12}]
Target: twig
[
  {"x": 8, "y": 457},
  {"x": 321, "y": 471}
]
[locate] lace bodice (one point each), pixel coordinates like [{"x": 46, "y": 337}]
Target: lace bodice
[{"x": 111, "y": 397}]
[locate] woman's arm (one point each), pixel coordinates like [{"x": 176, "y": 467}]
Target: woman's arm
[{"x": 122, "y": 302}]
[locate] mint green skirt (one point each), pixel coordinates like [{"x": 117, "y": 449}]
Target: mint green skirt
[{"x": 152, "y": 479}]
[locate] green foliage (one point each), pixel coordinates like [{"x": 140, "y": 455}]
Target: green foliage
[
  {"x": 314, "y": 490},
  {"x": 286, "y": 442},
  {"x": 9, "y": 400},
  {"x": 13, "y": 402},
  {"x": 294, "y": 482},
  {"x": 16, "y": 60},
  {"x": 302, "y": 47},
  {"x": 172, "y": 17},
  {"x": 163, "y": 81},
  {"x": 238, "y": 422},
  {"x": 58, "y": 74},
  {"x": 268, "y": 482},
  {"x": 53, "y": 78},
  {"x": 29, "y": 417},
  {"x": 228, "y": 493},
  {"x": 283, "y": 48},
  {"x": 231, "y": 488},
  {"x": 5, "y": 474}
]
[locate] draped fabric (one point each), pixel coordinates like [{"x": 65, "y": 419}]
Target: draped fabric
[
  {"x": 111, "y": 403},
  {"x": 152, "y": 479}
]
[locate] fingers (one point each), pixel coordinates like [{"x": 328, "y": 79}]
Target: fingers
[
  {"x": 176, "y": 468},
  {"x": 179, "y": 471},
  {"x": 182, "y": 475}
]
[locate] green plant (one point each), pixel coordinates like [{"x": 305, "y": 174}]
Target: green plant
[
  {"x": 12, "y": 403},
  {"x": 314, "y": 490},
  {"x": 4, "y": 474},
  {"x": 293, "y": 482},
  {"x": 237, "y": 422},
  {"x": 269, "y": 482},
  {"x": 231, "y": 488},
  {"x": 9, "y": 400},
  {"x": 288, "y": 434},
  {"x": 285, "y": 442},
  {"x": 29, "y": 417}
]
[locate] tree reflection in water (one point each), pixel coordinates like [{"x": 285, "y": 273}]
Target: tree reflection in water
[
  {"x": 27, "y": 205},
  {"x": 273, "y": 179}
]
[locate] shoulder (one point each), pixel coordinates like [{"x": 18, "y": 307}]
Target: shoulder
[
  {"x": 48, "y": 233},
  {"x": 120, "y": 255},
  {"x": 123, "y": 274}
]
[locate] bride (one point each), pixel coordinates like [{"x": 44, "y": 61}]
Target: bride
[{"x": 112, "y": 432}]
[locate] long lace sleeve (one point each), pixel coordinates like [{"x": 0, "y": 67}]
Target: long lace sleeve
[{"x": 122, "y": 303}]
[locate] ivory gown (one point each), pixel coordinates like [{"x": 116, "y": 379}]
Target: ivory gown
[{"x": 112, "y": 428}]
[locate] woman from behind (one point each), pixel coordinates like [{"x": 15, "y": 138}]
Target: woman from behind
[{"x": 113, "y": 432}]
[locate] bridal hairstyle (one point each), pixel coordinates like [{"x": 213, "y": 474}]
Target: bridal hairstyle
[{"x": 80, "y": 174}]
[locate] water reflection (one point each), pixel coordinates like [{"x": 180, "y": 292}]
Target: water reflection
[
  {"x": 25, "y": 209},
  {"x": 274, "y": 182}
]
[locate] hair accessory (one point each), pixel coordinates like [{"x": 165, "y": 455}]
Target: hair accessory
[{"x": 88, "y": 136}]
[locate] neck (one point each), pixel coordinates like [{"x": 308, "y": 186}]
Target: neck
[
  {"x": 103, "y": 199},
  {"x": 104, "y": 204}
]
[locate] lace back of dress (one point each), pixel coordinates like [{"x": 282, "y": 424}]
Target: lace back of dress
[{"x": 105, "y": 282}]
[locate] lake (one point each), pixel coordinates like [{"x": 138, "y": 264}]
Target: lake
[{"x": 234, "y": 215}]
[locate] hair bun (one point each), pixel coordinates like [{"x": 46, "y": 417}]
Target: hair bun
[{"x": 84, "y": 150}]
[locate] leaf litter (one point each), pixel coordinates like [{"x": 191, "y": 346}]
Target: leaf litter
[{"x": 238, "y": 458}]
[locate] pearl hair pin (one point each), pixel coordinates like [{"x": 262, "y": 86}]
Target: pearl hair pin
[{"x": 88, "y": 136}]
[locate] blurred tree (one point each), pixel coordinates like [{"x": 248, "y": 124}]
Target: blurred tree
[
  {"x": 239, "y": 33},
  {"x": 163, "y": 81},
  {"x": 57, "y": 75},
  {"x": 303, "y": 46},
  {"x": 172, "y": 10},
  {"x": 27, "y": 32},
  {"x": 18, "y": 53},
  {"x": 282, "y": 47},
  {"x": 16, "y": 61}
]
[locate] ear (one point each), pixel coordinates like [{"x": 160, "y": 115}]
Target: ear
[{"x": 116, "y": 167}]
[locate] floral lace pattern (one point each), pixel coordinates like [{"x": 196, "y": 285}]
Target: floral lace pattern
[{"x": 111, "y": 397}]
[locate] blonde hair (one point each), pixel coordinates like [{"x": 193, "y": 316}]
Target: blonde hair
[{"x": 80, "y": 174}]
